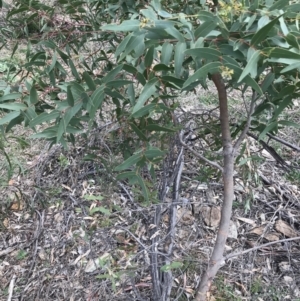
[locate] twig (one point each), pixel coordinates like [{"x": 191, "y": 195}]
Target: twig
[
  {"x": 212, "y": 163},
  {"x": 11, "y": 287},
  {"x": 292, "y": 146},
  {"x": 247, "y": 125},
  {"x": 259, "y": 247}
]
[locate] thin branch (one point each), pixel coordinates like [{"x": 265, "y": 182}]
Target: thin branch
[
  {"x": 259, "y": 247},
  {"x": 247, "y": 125},
  {"x": 290, "y": 145},
  {"x": 212, "y": 163}
]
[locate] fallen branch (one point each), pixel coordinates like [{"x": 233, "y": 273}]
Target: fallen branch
[{"x": 259, "y": 247}]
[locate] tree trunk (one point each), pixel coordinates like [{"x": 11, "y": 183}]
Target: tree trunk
[{"x": 228, "y": 155}]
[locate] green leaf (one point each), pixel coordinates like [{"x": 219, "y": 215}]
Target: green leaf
[
  {"x": 10, "y": 116},
  {"x": 166, "y": 53},
  {"x": 89, "y": 81},
  {"x": 267, "y": 82},
  {"x": 148, "y": 91},
  {"x": 290, "y": 67},
  {"x": 177, "y": 82},
  {"x": 11, "y": 96},
  {"x": 112, "y": 74},
  {"x": 263, "y": 32},
  {"x": 93, "y": 197},
  {"x": 138, "y": 132},
  {"x": 149, "y": 13},
  {"x": 158, "y": 128},
  {"x": 285, "y": 102},
  {"x": 96, "y": 101},
  {"x": 123, "y": 45},
  {"x": 125, "y": 26},
  {"x": 289, "y": 123},
  {"x": 13, "y": 106},
  {"x": 145, "y": 190},
  {"x": 205, "y": 28},
  {"x": 205, "y": 53},
  {"x": 154, "y": 152},
  {"x": 277, "y": 52},
  {"x": 118, "y": 83},
  {"x": 70, "y": 97},
  {"x": 149, "y": 57},
  {"x": 171, "y": 266},
  {"x": 129, "y": 162},
  {"x": 126, "y": 175},
  {"x": 161, "y": 67},
  {"x": 74, "y": 70},
  {"x": 279, "y": 4},
  {"x": 179, "y": 57},
  {"x": 251, "y": 66},
  {"x": 70, "y": 113},
  {"x": 144, "y": 110},
  {"x": 100, "y": 209},
  {"x": 201, "y": 74},
  {"x": 44, "y": 117},
  {"x": 292, "y": 40},
  {"x": 267, "y": 129},
  {"x": 175, "y": 33}
]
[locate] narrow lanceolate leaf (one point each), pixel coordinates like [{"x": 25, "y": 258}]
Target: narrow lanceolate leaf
[
  {"x": 125, "y": 26},
  {"x": 204, "y": 29},
  {"x": 279, "y": 4},
  {"x": 71, "y": 112},
  {"x": 144, "y": 110},
  {"x": 145, "y": 190},
  {"x": 149, "y": 57},
  {"x": 205, "y": 53},
  {"x": 154, "y": 153},
  {"x": 112, "y": 74},
  {"x": 10, "y": 116},
  {"x": 269, "y": 128},
  {"x": 175, "y": 33},
  {"x": 267, "y": 82},
  {"x": 11, "y": 96},
  {"x": 148, "y": 91},
  {"x": 33, "y": 96},
  {"x": 283, "y": 26},
  {"x": 129, "y": 162},
  {"x": 118, "y": 83},
  {"x": 179, "y": 57},
  {"x": 44, "y": 117},
  {"x": 166, "y": 53},
  {"x": 89, "y": 81},
  {"x": 282, "y": 53},
  {"x": 70, "y": 97},
  {"x": 201, "y": 74},
  {"x": 285, "y": 102},
  {"x": 96, "y": 101},
  {"x": 13, "y": 106},
  {"x": 292, "y": 40},
  {"x": 138, "y": 132},
  {"x": 263, "y": 32},
  {"x": 126, "y": 175},
  {"x": 74, "y": 70},
  {"x": 291, "y": 67},
  {"x": 289, "y": 123},
  {"x": 251, "y": 66}
]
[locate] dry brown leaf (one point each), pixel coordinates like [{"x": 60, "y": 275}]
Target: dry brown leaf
[
  {"x": 257, "y": 230},
  {"x": 232, "y": 232},
  {"x": 284, "y": 228},
  {"x": 211, "y": 215},
  {"x": 185, "y": 216},
  {"x": 247, "y": 221},
  {"x": 272, "y": 236}
]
